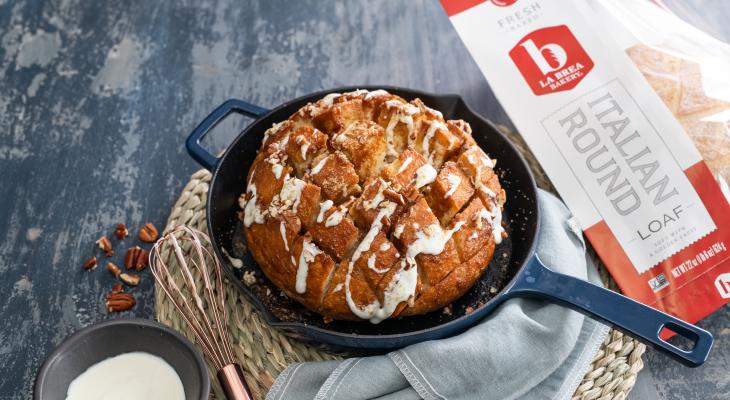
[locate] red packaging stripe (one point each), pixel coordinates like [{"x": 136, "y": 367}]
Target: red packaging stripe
[{"x": 453, "y": 7}]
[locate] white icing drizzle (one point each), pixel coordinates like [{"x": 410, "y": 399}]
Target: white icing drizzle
[
  {"x": 275, "y": 160},
  {"x": 497, "y": 228},
  {"x": 435, "y": 112},
  {"x": 483, "y": 214},
  {"x": 454, "y": 181},
  {"x": 398, "y": 230},
  {"x": 282, "y": 230},
  {"x": 357, "y": 92},
  {"x": 304, "y": 147},
  {"x": 478, "y": 179},
  {"x": 495, "y": 212},
  {"x": 378, "y": 198},
  {"x": 494, "y": 219},
  {"x": 371, "y": 265},
  {"x": 328, "y": 100},
  {"x": 288, "y": 197},
  {"x": 425, "y": 175},
  {"x": 277, "y": 169},
  {"x": 373, "y": 311},
  {"x": 319, "y": 166},
  {"x": 489, "y": 163},
  {"x": 338, "y": 288},
  {"x": 281, "y": 145},
  {"x": 389, "y": 135},
  {"x": 426, "y": 146},
  {"x": 403, "y": 285},
  {"x": 474, "y": 235},
  {"x": 308, "y": 254},
  {"x": 335, "y": 218},
  {"x": 323, "y": 207},
  {"x": 292, "y": 190},
  {"x": 431, "y": 240},
  {"x": 385, "y": 246},
  {"x": 275, "y": 128},
  {"x": 376, "y": 93},
  {"x": 405, "y": 109},
  {"x": 404, "y": 114},
  {"x": 405, "y": 164},
  {"x": 252, "y": 213}
]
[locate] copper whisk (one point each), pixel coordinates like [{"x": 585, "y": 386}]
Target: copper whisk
[{"x": 201, "y": 307}]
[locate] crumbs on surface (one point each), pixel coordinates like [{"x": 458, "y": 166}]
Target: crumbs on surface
[{"x": 249, "y": 278}]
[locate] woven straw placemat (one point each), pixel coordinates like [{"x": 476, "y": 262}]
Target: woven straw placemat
[{"x": 264, "y": 352}]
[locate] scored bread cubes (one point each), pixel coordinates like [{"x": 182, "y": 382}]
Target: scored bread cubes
[
  {"x": 336, "y": 175},
  {"x": 364, "y": 206}
]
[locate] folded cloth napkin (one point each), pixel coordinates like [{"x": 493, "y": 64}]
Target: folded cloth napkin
[{"x": 525, "y": 349}]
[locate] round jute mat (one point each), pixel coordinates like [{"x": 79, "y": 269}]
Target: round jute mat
[{"x": 263, "y": 352}]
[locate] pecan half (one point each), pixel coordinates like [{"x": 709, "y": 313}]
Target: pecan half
[
  {"x": 121, "y": 231},
  {"x": 113, "y": 269},
  {"x": 129, "y": 279},
  {"x": 148, "y": 233},
  {"x": 89, "y": 264},
  {"x": 119, "y": 301},
  {"x": 136, "y": 258},
  {"x": 105, "y": 244}
]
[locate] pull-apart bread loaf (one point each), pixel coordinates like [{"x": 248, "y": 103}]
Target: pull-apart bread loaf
[{"x": 365, "y": 206}]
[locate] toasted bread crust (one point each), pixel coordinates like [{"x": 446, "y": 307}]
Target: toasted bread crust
[{"x": 365, "y": 206}]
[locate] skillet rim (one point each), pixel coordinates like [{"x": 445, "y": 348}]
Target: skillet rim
[{"x": 301, "y": 327}]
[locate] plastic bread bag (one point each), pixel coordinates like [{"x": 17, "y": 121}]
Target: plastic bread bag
[
  {"x": 687, "y": 68},
  {"x": 626, "y": 107}
]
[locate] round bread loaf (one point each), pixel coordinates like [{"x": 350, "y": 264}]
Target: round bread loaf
[{"x": 366, "y": 206}]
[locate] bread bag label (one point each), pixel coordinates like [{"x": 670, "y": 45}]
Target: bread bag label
[{"x": 616, "y": 153}]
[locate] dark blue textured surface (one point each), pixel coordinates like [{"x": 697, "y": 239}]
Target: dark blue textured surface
[{"x": 96, "y": 99}]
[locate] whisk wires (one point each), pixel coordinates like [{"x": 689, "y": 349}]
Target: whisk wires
[{"x": 202, "y": 308}]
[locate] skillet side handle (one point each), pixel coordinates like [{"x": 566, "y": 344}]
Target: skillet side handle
[
  {"x": 196, "y": 151},
  {"x": 632, "y": 317}
]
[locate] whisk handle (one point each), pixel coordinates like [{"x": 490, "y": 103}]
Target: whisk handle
[{"x": 233, "y": 382}]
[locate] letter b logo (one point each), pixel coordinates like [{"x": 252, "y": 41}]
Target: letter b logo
[
  {"x": 550, "y": 57},
  {"x": 551, "y": 60}
]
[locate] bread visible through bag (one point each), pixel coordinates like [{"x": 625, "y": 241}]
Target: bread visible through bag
[{"x": 678, "y": 82}]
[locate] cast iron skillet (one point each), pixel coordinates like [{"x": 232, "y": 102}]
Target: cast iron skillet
[{"x": 515, "y": 271}]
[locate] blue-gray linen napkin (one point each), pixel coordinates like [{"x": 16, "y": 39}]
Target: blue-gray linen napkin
[{"x": 526, "y": 349}]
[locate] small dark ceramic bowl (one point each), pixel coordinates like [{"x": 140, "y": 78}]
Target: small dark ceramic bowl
[{"x": 113, "y": 337}]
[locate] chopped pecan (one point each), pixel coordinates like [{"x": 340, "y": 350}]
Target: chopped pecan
[
  {"x": 148, "y": 233},
  {"x": 121, "y": 231},
  {"x": 411, "y": 193},
  {"x": 119, "y": 301},
  {"x": 105, "y": 244},
  {"x": 117, "y": 288},
  {"x": 393, "y": 196},
  {"x": 136, "y": 258},
  {"x": 89, "y": 263},
  {"x": 114, "y": 269},
  {"x": 129, "y": 279}
]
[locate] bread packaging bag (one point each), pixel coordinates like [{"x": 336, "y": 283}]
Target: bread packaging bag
[{"x": 615, "y": 98}]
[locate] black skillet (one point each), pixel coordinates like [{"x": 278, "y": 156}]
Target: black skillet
[{"x": 515, "y": 270}]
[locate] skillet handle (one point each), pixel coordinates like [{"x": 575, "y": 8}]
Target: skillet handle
[
  {"x": 632, "y": 317},
  {"x": 196, "y": 151}
]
